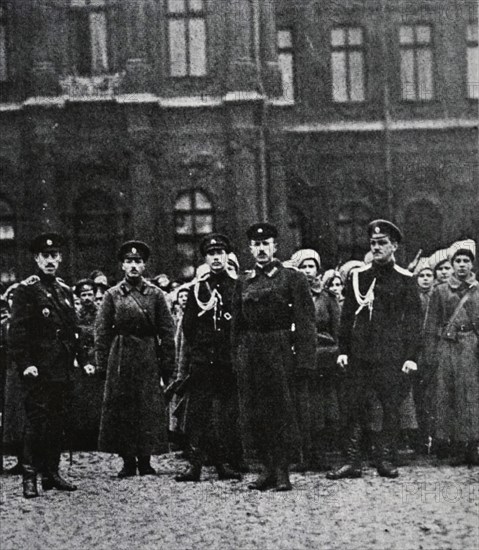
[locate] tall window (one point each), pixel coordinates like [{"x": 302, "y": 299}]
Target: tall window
[
  {"x": 96, "y": 231},
  {"x": 286, "y": 62},
  {"x": 89, "y": 37},
  {"x": 7, "y": 243},
  {"x": 3, "y": 44},
  {"x": 347, "y": 64},
  {"x": 353, "y": 242},
  {"x": 187, "y": 37},
  {"x": 472, "y": 61},
  {"x": 194, "y": 217},
  {"x": 416, "y": 62}
]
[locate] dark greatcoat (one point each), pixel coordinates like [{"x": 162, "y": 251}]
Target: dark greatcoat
[
  {"x": 212, "y": 413},
  {"x": 269, "y": 303},
  {"x": 133, "y": 418},
  {"x": 454, "y": 353}
]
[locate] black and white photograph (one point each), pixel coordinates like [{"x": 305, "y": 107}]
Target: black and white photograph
[{"x": 239, "y": 283}]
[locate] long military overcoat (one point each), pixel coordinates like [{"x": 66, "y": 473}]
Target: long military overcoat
[
  {"x": 129, "y": 323},
  {"x": 273, "y": 337}
]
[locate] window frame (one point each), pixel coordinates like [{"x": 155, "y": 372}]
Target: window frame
[
  {"x": 348, "y": 49},
  {"x": 415, "y": 47},
  {"x": 9, "y": 247},
  {"x": 194, "y": 237},
  {"x": 470, "y": 44},
  {"x": 292, "y": 51},
  {"x": 187, "y": 15},
  {"x": 105, "y": 8}
]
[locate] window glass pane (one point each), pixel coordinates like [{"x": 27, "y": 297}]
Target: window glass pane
[
  {"x": 183, "y": 224},
  {"x": 473, "y": 72},
  {"x": 176, "y": 6},
  {"x": 177, "y": 38},
  {"x": 408, "y": 88},
  {"x": 201, "y": 201},
  {"x": 196, "y": 5},
  {"x": 186, "y": 250},
  {"x": 424, "y": 75},
  {"x": 183, "y": 202},
  {"x": 340, "y": 92},
  {"x": 7, "y": 233},
  {"x": 356, "y": 75},
  {"x": 355, "y": 37},
  {"x": 286, "y": 66},
  {"x": 204, "y": 224},
  {"x": 3, "y": 53},
  {"x": 423, "y": 34},
  {"x": 197, "y": 47},
  {"x": 98, "y": 33},
  {"x": 472, "y": 32},
  {"x": 338, "y": 37},
  {"x": 285, "y": 40},
  {"x": 406, "y": 35}
]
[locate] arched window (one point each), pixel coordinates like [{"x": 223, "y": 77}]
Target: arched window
[
  {"x": 96, "y": 228},
  {"x": 423, "y": 228},
  {"x": 8, "y": 256},
  {"x": 353, "y": 242},
  {"x": 194, "y": 217}
]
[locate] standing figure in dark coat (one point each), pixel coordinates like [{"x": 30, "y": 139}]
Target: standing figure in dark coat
[
  {"x": 452, "y": 334},
  {"x": 87, "y": 391},
  {"x": 273, "y": 337},
  {"x": 43, "y": 342},
  {"x": 378, "y": 345},
  {"x": 135, "y": 348},
  {"x": 212, "y": 415}
]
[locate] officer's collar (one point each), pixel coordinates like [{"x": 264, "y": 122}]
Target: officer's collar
[
  {"x": 127, "y": 287},
  {"x": 387, "y": 266},
  {"x": 270, "y": 269}
]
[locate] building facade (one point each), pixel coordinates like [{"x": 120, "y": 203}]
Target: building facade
[{"x": 166, "y": 119}]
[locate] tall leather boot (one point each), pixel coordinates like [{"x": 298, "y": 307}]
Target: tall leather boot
[
  {"x": 267, "y": 479},
  {"x": 384, "y": 466},
  {"x": 53, "y": 480},
  {"x": 193, "y": 473},
  {"x": 282, "y": 477},
  {"x": 144, "y": 466},
  {"x": 472, "y": 453},
  {"x": 129, "y": 467},
  {"x": 226, "y": 472},
  {"x": 29, "y": 481},
  {"x": 352, "y": 468}
]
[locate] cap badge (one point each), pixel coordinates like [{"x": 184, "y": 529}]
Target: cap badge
[
  {"x": 213, "y": 241},
  {"x": 45, "y": 312},
  {"x": 376, "y": 229},
  {"x": 260, "y": 230},
  {"x": 133, "y": 250},
  {"x": 49, "y": 242}
]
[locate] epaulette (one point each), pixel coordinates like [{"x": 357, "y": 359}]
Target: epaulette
[
  {"x": 33, "y": 279},
  {"x": 403, "y": 271}
]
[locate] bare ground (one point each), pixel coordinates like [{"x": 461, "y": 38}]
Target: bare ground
[{"x": 426, "y": 508}]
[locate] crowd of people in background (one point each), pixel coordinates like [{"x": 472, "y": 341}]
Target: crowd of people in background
[{"x": 439, "y": 410}]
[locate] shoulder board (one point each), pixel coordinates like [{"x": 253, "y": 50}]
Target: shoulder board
[
  {"x": 62, "y": 283},
  {"x": 33, "y": 279},
  {"x": 151, "y": 285},
  {"x": 403, "y": 271}
]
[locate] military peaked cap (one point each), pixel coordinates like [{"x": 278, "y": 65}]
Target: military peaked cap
[
  {"x": 134, "y": 249},
  {"x": 261, "y": 231},
  {"x": 384, "y": 227},
  {"x": 214, "y": 241},
  {"x": 46, "y": 242}
]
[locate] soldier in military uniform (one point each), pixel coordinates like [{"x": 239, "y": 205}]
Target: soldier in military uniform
[
  {"x": 274, "y": 338},
  {"x": 212, "y": 414},
  {"x": 379, "y": 343},
  {"x": 135, "y": 350},
  {"x": 87, "y": 391},
  {"x": 43, "y": 341}
]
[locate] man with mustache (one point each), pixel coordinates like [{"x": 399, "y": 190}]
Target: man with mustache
[
  {"x": 43, "y": 340},
  {"x": 212, "y": 411},
  {"x": 274, "y": 337},
  {"x": 135, "y": 351},
  {"x": 379, "y": 342}
]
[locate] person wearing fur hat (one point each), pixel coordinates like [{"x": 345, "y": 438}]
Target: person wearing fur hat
[
  {"x": 452, "y": 338},
  {"x": 316, "y": 394}
]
